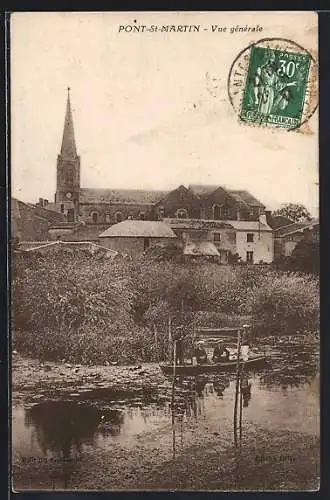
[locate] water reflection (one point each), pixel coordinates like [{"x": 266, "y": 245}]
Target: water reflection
[
  {"x": 177, "y": 416},
  {"x": 188, "y": 399},
  {"x": 62, "y": 427},
  {"x": 290, "y": 366}
]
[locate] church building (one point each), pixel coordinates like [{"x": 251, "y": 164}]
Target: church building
[{"x": 236, "y": 213}]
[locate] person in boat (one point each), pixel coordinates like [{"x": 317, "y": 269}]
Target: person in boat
[
  {"x": 219, "y": 388},
  {"x": 220, "y": 353},
  {"x": 178, "y": 339},
  {"x": 199, "y": 353}
]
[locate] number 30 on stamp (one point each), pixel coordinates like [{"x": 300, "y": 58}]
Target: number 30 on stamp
[{"x": 273, "y": 83}]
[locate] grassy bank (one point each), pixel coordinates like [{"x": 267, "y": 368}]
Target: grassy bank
[
  {"x": 79, "y": 308},
  {"x": 281, "y": 461}
]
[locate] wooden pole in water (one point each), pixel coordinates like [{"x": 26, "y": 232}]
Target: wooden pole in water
[
  {"x": 173, "y": 394},
  {"x": 169, "y": 338},
  {"x": 240, "y": 410},
  {"x": 237, "y": 384}
]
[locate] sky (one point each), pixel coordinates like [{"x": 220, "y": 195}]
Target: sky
[{"x": 150, "y": 110}]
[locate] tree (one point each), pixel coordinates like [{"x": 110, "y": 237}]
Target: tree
[
  {"x": 294, "y": 211},
  {"x": 306, "y": 257}
]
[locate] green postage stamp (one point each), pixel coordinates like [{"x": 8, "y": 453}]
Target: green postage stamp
[
  {"x": 275, "y": 87},
  {"x": 273, "y": 83}
]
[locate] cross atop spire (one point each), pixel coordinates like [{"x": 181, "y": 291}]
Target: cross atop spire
[{"x": 68, "y": 148}]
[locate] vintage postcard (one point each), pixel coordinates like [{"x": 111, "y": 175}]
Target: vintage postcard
[{"x": 165, "y": 251}]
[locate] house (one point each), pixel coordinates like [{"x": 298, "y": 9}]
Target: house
[
  {"x": 135, "y": 236},
  {"x": 287, "y": 237},
  {"x": 249, "y": 241},
  {"x": 30, "y": 222},
  {"x": 238, "y": 218},
  {"x": 103, "y": 207}
]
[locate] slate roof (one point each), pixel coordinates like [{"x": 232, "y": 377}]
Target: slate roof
[
  {"x": 239, "y": 200},
  {"x": 249, "y": 225},
  {"x": 139, "y": 228},
  {"x": 278, "y": 221},
  {"x": 196, "y": 224},
  {"x": 201, "y": 190},
  {"x": 295, "y": 227},
  {"x": 246, "y": 197},
  {"x": 241, "y": 196},
  {"x": 138, "y": 196},
  {"x": 88, "y": 232},
  {"x": 150, "y": 197},
  {"x": 51, "y": 215},
  {"x": 30, "y": 246},
  {"x": 20, "y": 208}
]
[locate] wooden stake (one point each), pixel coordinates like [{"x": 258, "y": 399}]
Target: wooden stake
[
  {"x": 173, "y": 394},
  {"x": 237, "y": 384}
]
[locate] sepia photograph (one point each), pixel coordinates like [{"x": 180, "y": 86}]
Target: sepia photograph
[{"x": 164, "y": 215}]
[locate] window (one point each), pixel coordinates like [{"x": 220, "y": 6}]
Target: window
[
  {"x": 226, "y": 212},
  {"x": 62, "y": 208},
  {"x": 203, "y": 213},
  {"x": 94, "y": 217},
  {"x": 216, "y": 236},
  {"x": 249, "y": 257},
  {"x": 249, "y": 237},
  {"x": 69, "y": 177},
  {"x": 181, "y": 213},
  {"x": 119, "y": 217},
  {"x": 216, "y": 212},
  {"x": 142, "y": 216}
]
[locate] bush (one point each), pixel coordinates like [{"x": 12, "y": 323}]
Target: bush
[
  {"x": 285, "y": 303},
  {"x": 84, "y": 309}
]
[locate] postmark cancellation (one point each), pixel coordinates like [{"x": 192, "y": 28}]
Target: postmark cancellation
[{"x": 273, "y": 83}]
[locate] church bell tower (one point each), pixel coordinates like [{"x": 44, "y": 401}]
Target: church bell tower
[{"x": 68, "y": 169}]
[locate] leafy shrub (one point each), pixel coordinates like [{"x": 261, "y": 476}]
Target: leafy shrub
[
  {"x": 74, "y": 306},
  {"x": 285, "y": 303}
]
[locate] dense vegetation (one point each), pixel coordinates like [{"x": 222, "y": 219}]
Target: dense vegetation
[{"x": 78, "y": 307}]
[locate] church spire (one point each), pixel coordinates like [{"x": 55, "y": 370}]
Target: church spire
[{"x": 68, "y": 149}]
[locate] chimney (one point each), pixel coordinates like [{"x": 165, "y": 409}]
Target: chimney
[
  {"x": 45, "y": 203},
  {"x": 263, "y": 218},
  {"x": 41, "y": 202}
]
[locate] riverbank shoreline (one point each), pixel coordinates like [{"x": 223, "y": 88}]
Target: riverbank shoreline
[
  {"x": 31, "y": 374},
  {"x": 266, "y": 461},
  {"x": 273, "y": 456}
]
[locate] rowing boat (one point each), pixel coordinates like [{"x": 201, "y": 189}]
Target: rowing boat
[{"x": 255, "y": 362}]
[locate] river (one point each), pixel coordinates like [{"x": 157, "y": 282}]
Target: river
[{"x": 92, "y": 436}]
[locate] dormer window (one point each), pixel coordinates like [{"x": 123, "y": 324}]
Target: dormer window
[{"x": 181, "y": 213}]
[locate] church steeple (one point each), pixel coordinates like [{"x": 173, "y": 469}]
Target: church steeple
[
  {"x": 68, "y": 148},
  {"x": 68, "y": 168}
]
